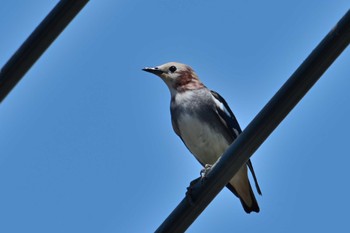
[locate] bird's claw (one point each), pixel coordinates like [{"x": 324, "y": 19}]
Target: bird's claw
[{"x": 205, "y": 171}]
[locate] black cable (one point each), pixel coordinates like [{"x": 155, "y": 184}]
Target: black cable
[{"x": 36, "y": 44}]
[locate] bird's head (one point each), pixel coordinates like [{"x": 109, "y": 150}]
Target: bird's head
[{"x": 178, "y": 77}]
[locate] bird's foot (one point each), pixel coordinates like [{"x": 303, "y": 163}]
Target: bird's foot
[{"x": 205, "y": 171}]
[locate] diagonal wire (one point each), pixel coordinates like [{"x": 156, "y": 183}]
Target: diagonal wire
[{"x": 36, "y": 44}]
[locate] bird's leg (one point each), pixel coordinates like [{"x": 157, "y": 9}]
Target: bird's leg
[{"x": 205, "y": 171}]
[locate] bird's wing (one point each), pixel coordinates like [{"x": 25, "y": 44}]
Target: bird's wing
[
  {"x": 226, "y": 115},
  {"x": 250, "y": 165}
]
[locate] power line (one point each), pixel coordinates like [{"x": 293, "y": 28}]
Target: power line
[
  {"x": 36, "y": 44},
  {"x": 301, "y": 81}
]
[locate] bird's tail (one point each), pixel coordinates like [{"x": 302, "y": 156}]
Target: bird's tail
[
  {"x": 248, "y": 207},
  {"x": 241, "y": 187},
  {"x": 254, "y": 204}
]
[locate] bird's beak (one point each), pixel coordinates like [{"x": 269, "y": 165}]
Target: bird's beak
[{"x": 153, "y": 70}]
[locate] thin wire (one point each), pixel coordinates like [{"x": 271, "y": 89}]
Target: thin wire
[{"x": 36, "y": 44}]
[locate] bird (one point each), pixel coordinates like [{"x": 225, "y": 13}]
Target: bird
[{"x": 206, "y": 125}]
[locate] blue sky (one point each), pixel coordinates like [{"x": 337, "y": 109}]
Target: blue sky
[{"x": 86, "y": 140}]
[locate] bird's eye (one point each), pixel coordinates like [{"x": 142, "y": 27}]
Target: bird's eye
[{"x": 172, "y": 69}]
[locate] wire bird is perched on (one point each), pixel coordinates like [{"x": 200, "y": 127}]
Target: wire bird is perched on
[{"x": 206, "y": 124}]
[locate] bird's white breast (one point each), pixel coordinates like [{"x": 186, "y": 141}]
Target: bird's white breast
[{"x": 204, "y": 142}]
